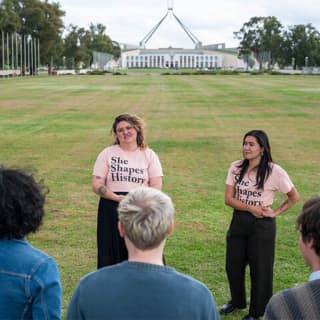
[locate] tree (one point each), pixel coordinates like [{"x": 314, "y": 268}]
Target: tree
[
  {"x": 262, "y": 37},
  {"x": 301, "y": 46},
  {"x": 99, "y": 41},
  {"x": 75, "y": 47},
  {"x": 40, "y": 19},
  {"x": 9, "y": 18},
  {"x": 79, "y": 45}
]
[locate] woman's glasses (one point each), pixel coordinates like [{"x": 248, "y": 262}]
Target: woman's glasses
[{"x": 123, "y": 129}]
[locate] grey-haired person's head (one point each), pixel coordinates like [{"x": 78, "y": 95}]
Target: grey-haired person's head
[{"x": 146, "y": 215}]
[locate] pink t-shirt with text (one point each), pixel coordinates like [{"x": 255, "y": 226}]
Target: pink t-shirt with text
[
  {"x": 247, "y": 192},
  {"x": 124, "y": 171}
]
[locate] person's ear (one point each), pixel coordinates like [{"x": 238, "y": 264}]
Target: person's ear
[
  {"x": 310, "y": 243},
  {"x": 171, "y": 228},
  {"x": 121, "y": 229}
]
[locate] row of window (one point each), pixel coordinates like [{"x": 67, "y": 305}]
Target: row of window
[
  {"x": 172, "y": 64},
  {"x": 197, "y": 58}
]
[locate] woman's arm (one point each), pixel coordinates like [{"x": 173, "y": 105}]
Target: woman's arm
[
  {"x": 292, "y": 198},
  {"x": 99, "y": 187},
  {"x": 156, "y": 183},
  {"x": 231, "y": 201}
]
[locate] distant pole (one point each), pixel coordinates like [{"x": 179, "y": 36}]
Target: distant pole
[
  {"x": 24, "y": 55},
  {"x": 38, "y": 52},
  {"x": 35, "y": 55},
  {"x": 12, "y": 52},
  {"x": 31, "y": 56},
  {"x": 17, "y": 51},
  {"x": 28, "y": 54},
  {"x": 21, "y": 66},
  {"x": 2, "y": 50},
  {"x": 8, "y": 60}
]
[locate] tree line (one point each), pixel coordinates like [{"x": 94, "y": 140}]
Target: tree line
[
  {"x": 270, "y": 43},
  {"x": 60, "y": 45},
  {"x": 263, "y": 38}
]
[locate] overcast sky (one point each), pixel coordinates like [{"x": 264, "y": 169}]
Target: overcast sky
[{"x": 129, "y": 21}]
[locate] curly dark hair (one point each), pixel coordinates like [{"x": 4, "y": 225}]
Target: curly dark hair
[
  {"x": 308, "y": 222},
  {"x": 21, "y": 203}
]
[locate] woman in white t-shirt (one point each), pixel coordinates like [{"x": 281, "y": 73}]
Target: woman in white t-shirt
[
  {"x": 120, "y": 168},
  {"x": 250, "y": 190}
]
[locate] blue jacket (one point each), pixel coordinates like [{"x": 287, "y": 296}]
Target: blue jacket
[{"x": 29, "y": 283}]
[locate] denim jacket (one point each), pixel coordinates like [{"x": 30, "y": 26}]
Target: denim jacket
[{"x": 29, "y": 282}]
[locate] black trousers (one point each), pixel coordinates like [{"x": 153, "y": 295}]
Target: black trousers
[
  {"x": 250, "y": 241},
  {"x": 111, "y": 246}
]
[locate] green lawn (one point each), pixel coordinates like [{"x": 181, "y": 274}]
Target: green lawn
[{"x": 56, "y": 126}]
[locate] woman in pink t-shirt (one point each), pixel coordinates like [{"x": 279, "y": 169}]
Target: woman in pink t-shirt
[
  {"x": 250, "y": 190},
  {"x": 120, "y": 168}
]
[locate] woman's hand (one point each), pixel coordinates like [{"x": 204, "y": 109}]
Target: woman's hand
[
  {"x": 120, "y": 197},
  {"x": 101, "y": 189},
  {"x": 293, "y": 197},
  {"x": 257, "y": 211},
  {"x": 268, "y": 212},
  {"x": 230, "y": 200}
]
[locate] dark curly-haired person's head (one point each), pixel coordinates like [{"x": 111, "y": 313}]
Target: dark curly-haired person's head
[{"x": 21, "y": 203}]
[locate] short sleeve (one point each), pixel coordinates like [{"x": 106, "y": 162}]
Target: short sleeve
[
  {"x": 285, "y": 183},
  {"x": 231, "y": 173},
  {"x": 101, "y": 165},
  {"x": 154, "y": 167}
]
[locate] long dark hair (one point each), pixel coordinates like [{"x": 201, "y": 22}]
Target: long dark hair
[{"x": 264, "y": 167}]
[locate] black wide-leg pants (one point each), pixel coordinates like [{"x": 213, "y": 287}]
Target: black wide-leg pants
[{"x": 250, "y": 241}]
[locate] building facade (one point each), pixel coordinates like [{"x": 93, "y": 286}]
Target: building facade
[{"x": 181, "y": 58}]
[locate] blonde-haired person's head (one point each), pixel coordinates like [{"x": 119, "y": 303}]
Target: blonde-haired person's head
[{"x": 146, "y": 215}]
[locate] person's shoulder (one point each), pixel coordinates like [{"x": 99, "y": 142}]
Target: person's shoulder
[
  {"x": 148, "y": 151},
  {"x": 44, "y": 257},
  {"x": 195, "y": 285},
  {"x": 275, "y": 166},
  {"x": 294, "y": 289},
  {"x": 22, "y": 249},
  {"x": 292, "y": 292},
  {"x": 312, "y": 287},
  {"x": 36, "y": 260},
  {"x": 111, "y": 148},
  {"x": 34, "y": 253},
  {"x": 236, "y": 163},
  {"x": 277, "y": 169},
  {"x": 95, "y": 277}
]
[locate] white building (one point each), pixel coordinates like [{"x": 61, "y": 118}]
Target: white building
[
  {"x": 181, "y": 58},
  {"x": 202, "y": 57}
]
